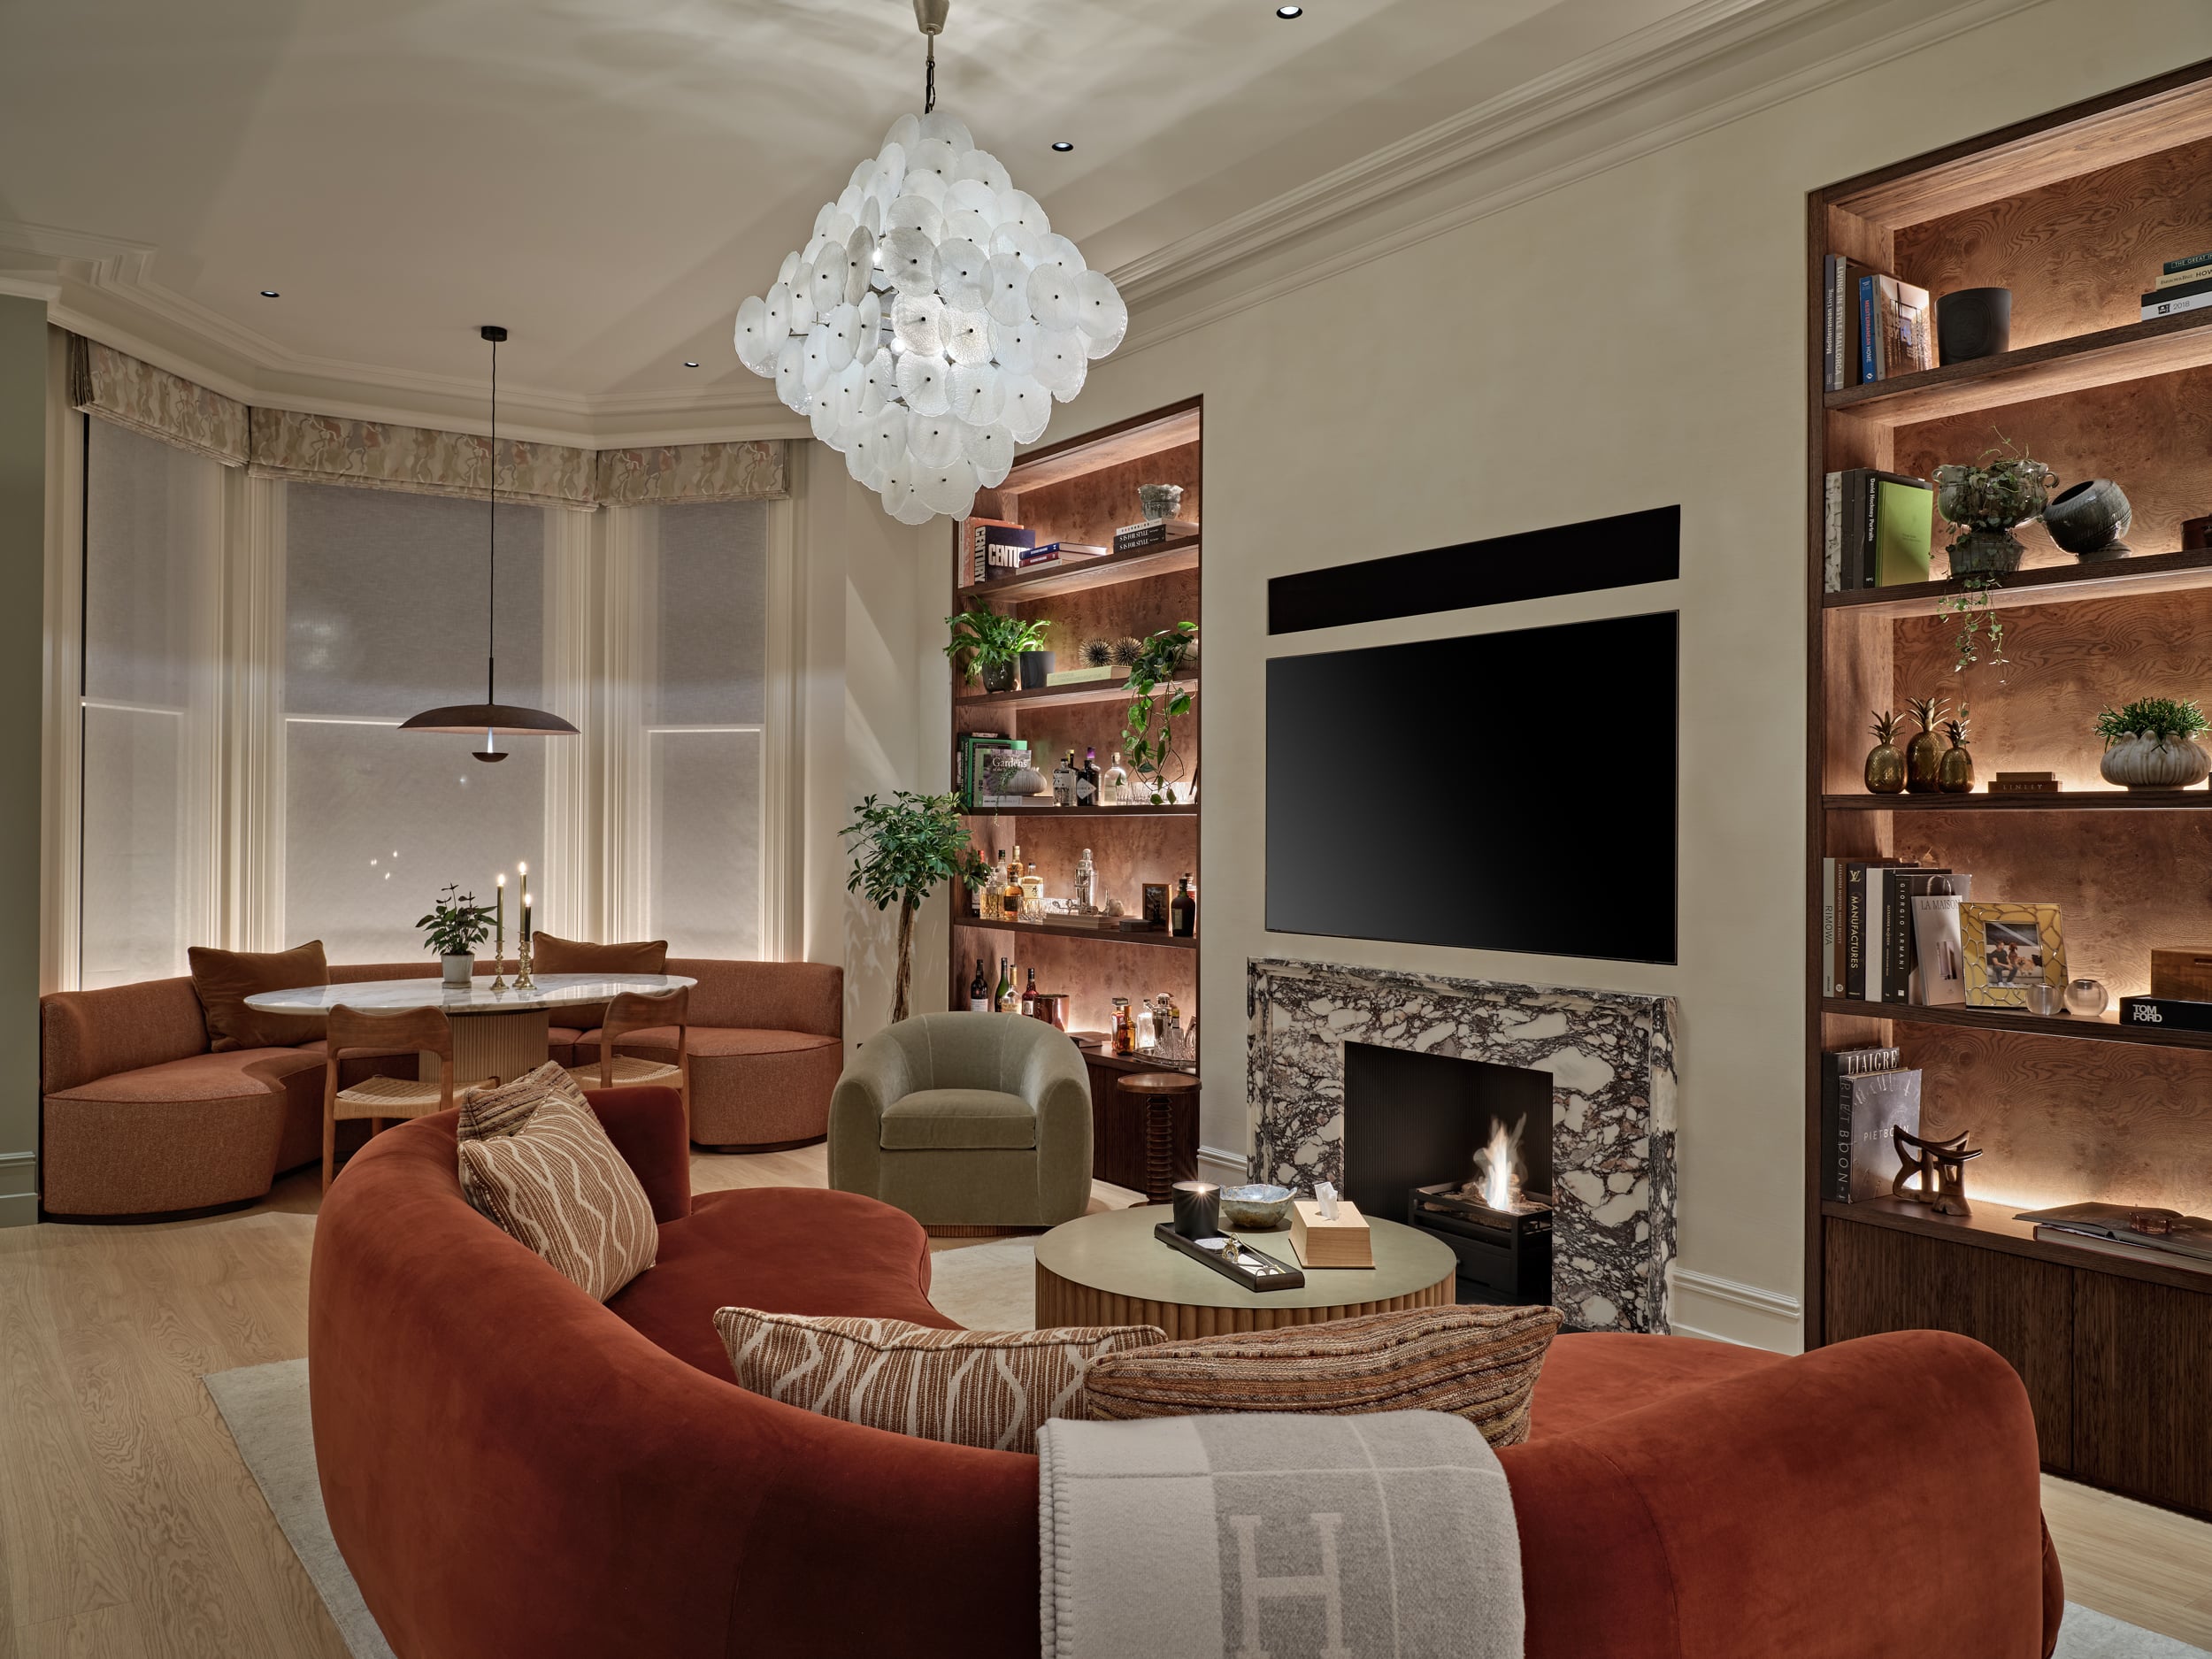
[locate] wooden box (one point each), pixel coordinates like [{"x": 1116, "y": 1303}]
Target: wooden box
[
  {"x": 2182, "y": 973},
  {"x": 1344, "y": 1242}
]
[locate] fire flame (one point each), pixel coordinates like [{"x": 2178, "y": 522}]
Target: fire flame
[{"x": 1499, "y": 1168}]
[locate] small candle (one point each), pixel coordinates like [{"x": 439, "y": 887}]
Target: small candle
[
  {"x": 1197, "y": 1210},
  {"x": 499, "y": 920}
]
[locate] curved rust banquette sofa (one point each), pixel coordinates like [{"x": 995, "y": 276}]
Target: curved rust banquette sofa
[
  {"x": 141, "y": 1120},
  {"x": 511, "y": 1468}
]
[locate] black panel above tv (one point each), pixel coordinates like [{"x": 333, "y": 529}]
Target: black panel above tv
[
  {"x": 1623, "y": 551},
  {"x": 1463, "y": 791}
]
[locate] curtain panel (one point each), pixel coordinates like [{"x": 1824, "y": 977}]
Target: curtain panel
[
  {"x": 283, "y": 443},
  {"x": 106, "y": 382}
]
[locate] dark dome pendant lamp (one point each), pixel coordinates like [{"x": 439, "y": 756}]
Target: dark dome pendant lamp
[{"x": 495, "y": 719}]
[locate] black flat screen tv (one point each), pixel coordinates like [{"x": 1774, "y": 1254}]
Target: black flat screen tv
[{"x": 1510, "y": 791}]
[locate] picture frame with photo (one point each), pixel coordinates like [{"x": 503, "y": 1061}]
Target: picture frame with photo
[
  {"x": 2009, "y": 947},
  {"x": 1154, "y": 909}
]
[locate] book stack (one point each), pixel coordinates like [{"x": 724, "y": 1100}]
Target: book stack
[
  {"x": 1879, "y": 529},
  {"x": 2141, "y": 1231},
  {"x": 1866, "y": 1092},
  {"x": 983, "y": 534},
  {"x": 1889, "y": 932},
  {"x": 1878, "y": 326},
  {"x": 1056, "y": 552},
  {"x": 1132, "y": 536},
  {"x": 2183, "y": 285},
  {"x": 980, "y": 757}
]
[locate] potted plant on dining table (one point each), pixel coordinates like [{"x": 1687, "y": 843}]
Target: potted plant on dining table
[{"x": 454, "y": 928}]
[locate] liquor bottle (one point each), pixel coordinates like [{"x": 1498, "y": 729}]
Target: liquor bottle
[
  {"x": 1113, "y": 787},
  {"x": 1085, "y": 885},
  {"x": 1012, "y": 892},
  {"x": 979, "y": 991},
  {"x": 1125, "y": 1027},
  {"x": 1063, "y": 781},
  {"x": 1146, "y": 1034},
  {"x": 1005, "y": 990},
  {"x": 994, "y": 886},
  {"x": 1029, "y": 996},
  {"x": 1032, "y": 895},
  {"x": 1087, "y": 780},
  {"x": 1182, "y": 914}
]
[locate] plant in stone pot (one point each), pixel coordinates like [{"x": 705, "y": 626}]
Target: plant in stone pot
[
  {"x": 2151, "y": 744},
  {"x": 903, "y": 849},
  {"x": 1923, "y": 755},
  {"x": 1984, "y": 499},
  {"x": 454, "y": 928},
  {"x": 989, "y": 646},
  {"x": 1149, "y": 736},
  {"x": 1886, "y": 762}
]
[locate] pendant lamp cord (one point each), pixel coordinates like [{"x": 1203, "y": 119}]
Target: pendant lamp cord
[
  {"x": 491, "y": 614},
  {"x": 929, "y": 85}
]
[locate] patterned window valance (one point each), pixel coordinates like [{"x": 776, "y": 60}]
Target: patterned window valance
[
  {"x": 380, "y": 455},
  {"x": 752, "y": 470},
  {"x": 105, "y": 382}
]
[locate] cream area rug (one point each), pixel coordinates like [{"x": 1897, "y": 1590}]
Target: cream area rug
[{"x": 987, "y": 1286}]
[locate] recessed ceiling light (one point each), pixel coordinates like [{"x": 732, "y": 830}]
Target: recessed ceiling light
[
  {"x": 691, "y": 363},
  {"x": 1290, "y": 11},
  {"x": 1062, "y": 145},
  {"x": 268, "y": 294}
]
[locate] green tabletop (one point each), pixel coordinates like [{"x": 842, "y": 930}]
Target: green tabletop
[{"x": 1115, "y": 1252}]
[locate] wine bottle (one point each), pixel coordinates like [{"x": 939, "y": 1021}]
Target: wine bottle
[
  {"x": 979, "y": 991},
  {"x": 1182, "y": 918},
  {"x": 1005, "y": 991},
  {"x": 1029, "y": 996}
]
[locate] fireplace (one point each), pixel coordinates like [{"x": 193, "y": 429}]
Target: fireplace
[
  {"x": 1459, "y": 1147},
  {"x": 1600, "y": 1064}
]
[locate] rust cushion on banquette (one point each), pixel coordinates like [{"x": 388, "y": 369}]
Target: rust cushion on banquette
[{"x": 226, "y": 978}]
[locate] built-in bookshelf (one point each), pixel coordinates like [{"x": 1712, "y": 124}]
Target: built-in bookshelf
[
  {"x": 1082, "y": 491},
  {"x": 2074, "y": 212}
]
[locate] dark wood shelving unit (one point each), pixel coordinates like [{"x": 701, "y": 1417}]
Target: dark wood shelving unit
[
  {"x": 1097, "y": 935},
  {"x": 1090, "y": 691},
  {"x": 2069, "y": 211},
  {"x": 1163, "y": 558},
  {"x": 1145, "y": 810}
]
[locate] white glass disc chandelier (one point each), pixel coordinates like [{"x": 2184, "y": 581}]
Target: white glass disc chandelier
[{"x": 930, "y": 322}]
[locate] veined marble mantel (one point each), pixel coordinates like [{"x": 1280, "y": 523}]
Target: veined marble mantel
[{"x": 1611, "y": 1058}]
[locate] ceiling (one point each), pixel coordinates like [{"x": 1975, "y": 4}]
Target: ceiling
[{"x": 608, "y": 178}]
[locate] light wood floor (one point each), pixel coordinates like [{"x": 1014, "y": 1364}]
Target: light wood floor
[{"x": 128, "y": 1526}]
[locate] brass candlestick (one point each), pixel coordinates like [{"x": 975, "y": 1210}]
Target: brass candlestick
[
  {"x": 523, "y": 982},
  {"x": 499, "y": 936}
]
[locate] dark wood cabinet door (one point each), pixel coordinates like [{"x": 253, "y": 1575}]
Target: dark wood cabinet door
[
  {"x": 1882, "y": 1280},
  {"x": 2143, "y": 1389}
]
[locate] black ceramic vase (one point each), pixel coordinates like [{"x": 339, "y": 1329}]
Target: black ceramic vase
[
  {"x": 1035, "y": 666},
  {"x": 2088, "y": 520},
  {"x": 998, "y": 676},
  {"x": 1974, "y": 323}
]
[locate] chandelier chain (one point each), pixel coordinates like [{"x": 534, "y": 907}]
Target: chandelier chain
[
  {"x": 491, "y": 544},
  {"x": 929, "y": 84}
]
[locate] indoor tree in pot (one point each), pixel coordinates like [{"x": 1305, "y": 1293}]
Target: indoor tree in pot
[
  {"x": 903, "y": 848},
  {"x": 1984, "y": 499},
  {"x": 454, "y": 928},
  {"x": 992, "y": 644},
  {"x": 1148, "y": 734},
  {"x": 2151, "y": 744}
]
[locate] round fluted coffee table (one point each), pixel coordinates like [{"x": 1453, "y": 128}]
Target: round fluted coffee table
[{"x": 1107, "y": 1269}]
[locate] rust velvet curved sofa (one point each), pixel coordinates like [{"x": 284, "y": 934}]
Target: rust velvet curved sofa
[
  {"x": 141, "y": 1121},
  {"x": 511, "y": 1467}
]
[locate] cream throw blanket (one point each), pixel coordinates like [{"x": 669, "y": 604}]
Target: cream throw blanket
[{"x": 1270, "y": 1535}]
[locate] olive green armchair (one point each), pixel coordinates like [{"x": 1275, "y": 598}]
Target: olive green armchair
[{"x": 967, "y": 1120}]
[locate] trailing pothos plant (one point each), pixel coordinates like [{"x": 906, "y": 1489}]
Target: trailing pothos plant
[
  {"x": 903, "y": 848},
  {"x": 1157, "y": 701},
  {"x": 1980, "y": 628}
]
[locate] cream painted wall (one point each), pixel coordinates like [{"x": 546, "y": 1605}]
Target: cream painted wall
[
  {"x": 23, "y": 356},
  {"x": 1631, "y": 339}
]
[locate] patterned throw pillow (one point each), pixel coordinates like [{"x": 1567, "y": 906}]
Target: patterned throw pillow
[
  {"x": 1479, "y": 1362},
  {"x": 505, "y": 1108},
  {"x": 558, "y": 1185},
  {"x": 990, "y": 1388}
]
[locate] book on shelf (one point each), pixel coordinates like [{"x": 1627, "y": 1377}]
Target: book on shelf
[
  {"x": 975, "y": 748},
  {"x": 1839, "y": 308},
  {"x": 1902, "y": 889},
  {"x": 1878, "y": 531},
  {"x": 1937, "y": 962},
  {"x": 1087, "y": 675},
  {"x": 981, "y": 534},
  {"x": 2115, "y": 1247},
  {"x": 1132, "y": 536},
  {"x": 2186, "y": 296},
  {"x": 2166, "y": 1013},
  {"x": 1850, "y": 900},
  {"x": 2188, "y": 1237},
  {"x": 2187, "y": 262},
  {"x": 1876, "y": 325},
  {"x": 1866, "y": 1092},
  {"x": 1902, "y": 342},
  {"x": 2177, "y": 279}
]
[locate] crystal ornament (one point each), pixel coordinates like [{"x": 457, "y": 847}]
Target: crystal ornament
[{"x": 930, "y": 321}]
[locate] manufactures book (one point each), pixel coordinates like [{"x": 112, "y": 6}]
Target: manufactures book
[
  {"x": 1865, "y": 1093},
  {"x": 1849, "y": 890}
]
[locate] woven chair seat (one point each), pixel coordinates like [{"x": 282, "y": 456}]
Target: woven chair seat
[
  {"x": 630, "y": 1071},
  {"x": 388, "y": 1097}
]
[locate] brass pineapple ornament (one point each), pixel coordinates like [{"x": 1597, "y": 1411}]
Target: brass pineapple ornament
[
  {"x": 1954, "y": 774},
  {"x": 1923, "y": 755},
  {"x": 1886, "y": 762}
]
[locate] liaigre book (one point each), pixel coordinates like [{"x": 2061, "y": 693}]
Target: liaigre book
[{"x": 1864, "y": 1095}]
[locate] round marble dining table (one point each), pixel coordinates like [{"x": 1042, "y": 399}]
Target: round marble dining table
[{"x": 496, "y": 1034}]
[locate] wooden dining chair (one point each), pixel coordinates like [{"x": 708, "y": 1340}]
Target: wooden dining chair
[
  {"x": 357, "y": 1031},
  {"x": 642, "y": 1011}
]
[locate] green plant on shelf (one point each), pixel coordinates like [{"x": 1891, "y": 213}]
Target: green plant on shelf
[
  {"x": 1981, "y": 630},
  {"x": 2157, "y": 718},
  {"x": 1157, "y": 700},
  {"x": 988, "y": 640}
]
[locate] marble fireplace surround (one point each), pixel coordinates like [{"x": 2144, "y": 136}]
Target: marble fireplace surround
[{"x": 1611, "y": 1058}]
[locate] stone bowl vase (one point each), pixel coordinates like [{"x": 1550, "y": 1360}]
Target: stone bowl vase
[
  {"x": 2088, "y": 520},
  {"x": 2144, "y": 762}
]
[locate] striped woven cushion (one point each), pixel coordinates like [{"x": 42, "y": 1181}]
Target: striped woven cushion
[
  {"x": 558, "y": 1185},
  {"x": 502, "y": 1110},
  {"x": 990, "y": 1388},
  {"x": 1479, "y": 1362}
]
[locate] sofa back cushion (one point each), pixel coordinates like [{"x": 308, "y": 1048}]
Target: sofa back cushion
[
  {"x": 557, "y": 1184},
  {"x": 87, "y": 1036},
  {"x": 226, "y": 978},
  {"x": 802, "y": 996},
  {"x": 363, "y": 972},
  {"x": 1480, "y": 1364},
  {"x": 988, "y": 1389},
  {"x": 551, "y": 954}
]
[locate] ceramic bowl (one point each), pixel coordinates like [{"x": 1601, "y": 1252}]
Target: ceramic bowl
[{"x": 1256, "y": 1207}]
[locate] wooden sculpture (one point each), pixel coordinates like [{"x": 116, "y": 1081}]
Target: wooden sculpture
[{"x": 1941, "y": 1167}]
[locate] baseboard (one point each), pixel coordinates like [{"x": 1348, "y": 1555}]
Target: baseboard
[
  {"x": 19, "y": 1209},
  {"x": 18, "y": 1188},
  {"x": 1222, "y": 1168},
  {"x": 1727, "y": 1310}
]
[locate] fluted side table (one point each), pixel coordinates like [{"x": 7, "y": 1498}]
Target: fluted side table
[{"x": 1166, "y": 1105}]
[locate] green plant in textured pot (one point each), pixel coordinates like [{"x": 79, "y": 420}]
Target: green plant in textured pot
[
  {"x": 903, "y": 849},
  {"x": 2152, "y": 744},
  {"x": 1157, "y": 701},
  {"x": 454, "y": 928},
  {"x": 991, "y": 644},
  {"x": 1985, "y": 498}
]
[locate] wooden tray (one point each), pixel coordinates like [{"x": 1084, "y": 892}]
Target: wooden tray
[{"x": 1284, "y": 1276}]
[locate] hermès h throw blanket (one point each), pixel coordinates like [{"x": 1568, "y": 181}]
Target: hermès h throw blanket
[{"x": 1294, "y": 1537}]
